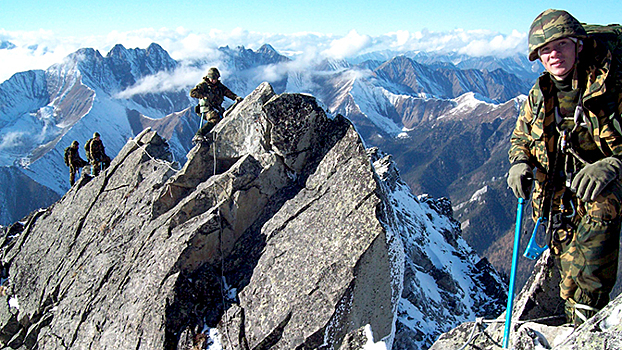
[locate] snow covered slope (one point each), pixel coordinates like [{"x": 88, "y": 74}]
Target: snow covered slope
[{"x": 445, "y": 282}]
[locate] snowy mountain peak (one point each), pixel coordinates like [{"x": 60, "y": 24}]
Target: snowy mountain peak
[{"x": 6, "y": 45}]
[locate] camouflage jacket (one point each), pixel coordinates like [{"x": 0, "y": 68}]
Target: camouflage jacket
[
  {"x": 97, "y": 151},
  {"x": 211, "y": 96},
  {"x": 74, "y": 158},
  {"x": 535, "y": 136}
]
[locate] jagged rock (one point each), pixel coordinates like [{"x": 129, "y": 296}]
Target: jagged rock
[
  {"x": 145, "y": 256},
  {"x": 538, "y": 321}
]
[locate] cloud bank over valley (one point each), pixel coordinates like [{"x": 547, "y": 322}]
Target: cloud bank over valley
[{"x": 22, "y": 51}]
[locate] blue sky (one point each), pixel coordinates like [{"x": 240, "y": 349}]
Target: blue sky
[
  {"x": 83, "y": 17},
  {"x": 42, "y": 33}
]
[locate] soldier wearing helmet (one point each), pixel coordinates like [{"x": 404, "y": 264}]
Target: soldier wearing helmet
[
  {"x": 96, "y": 152},
  {"x": 211, "y": 94},
  {"x": 565, "y": 145},
  {"x": 73, "y": 161}
]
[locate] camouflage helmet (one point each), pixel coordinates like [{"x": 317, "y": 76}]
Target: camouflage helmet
[
  {"x": 75, "y": 144},
  {"x": 552, "y": 25},
  {"x": 213, "y": 73},
  {"x": 95, "y": 134}
]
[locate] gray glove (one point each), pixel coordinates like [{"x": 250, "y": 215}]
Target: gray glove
[
  {"x": 520, "y": 179},
  {"x": 593, "y": 178}
]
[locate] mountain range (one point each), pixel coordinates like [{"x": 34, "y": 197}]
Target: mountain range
[{"x": 445, "y": 119}]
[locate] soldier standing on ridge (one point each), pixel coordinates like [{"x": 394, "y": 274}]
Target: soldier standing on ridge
[
  {"x": 211, "y": 94},
  {"x": 565, "y": 132},
  {"x": 73, "y": 160},
  {"x": 97, "y": 154}
]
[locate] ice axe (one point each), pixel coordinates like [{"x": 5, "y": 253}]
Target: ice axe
[
  {"x": 508, "y": 310},
  {"x": 533, "y": 250}
]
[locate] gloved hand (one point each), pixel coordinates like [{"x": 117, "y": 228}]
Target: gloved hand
[
  {"x": 520, "y": 179},
  {"x": 593, "y": 178},
  {"x": 239, "y": 99}
]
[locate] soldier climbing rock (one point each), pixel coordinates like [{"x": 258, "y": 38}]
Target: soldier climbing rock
[
  {"x": 96, "y": 154},
  {"x": 211, "y": 94},
  {"x": 565, "y": 132},
  {"x": 73, "y": 161}
]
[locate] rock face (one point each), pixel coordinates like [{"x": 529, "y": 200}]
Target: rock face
[
  {"x": 282, "y": 232},
  {"x": 145, "y": 256},
  {"x": 538, "y": 321}
]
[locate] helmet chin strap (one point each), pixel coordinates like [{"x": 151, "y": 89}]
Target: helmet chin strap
[{"x": 575, "y": 71}]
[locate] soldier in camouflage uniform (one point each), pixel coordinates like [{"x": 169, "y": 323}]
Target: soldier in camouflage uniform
[
  {"x": 565, "y": 133},
  {"x": 97, "y": 155},
  {"x": 74, "y": 161},
  {"x": 211, "y": 94}
]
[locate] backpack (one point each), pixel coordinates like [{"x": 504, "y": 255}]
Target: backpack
[
  {"x": 611, "y": 36},
  {"x": 87, "y": 149},
  {"x": 66, "y": 156}
]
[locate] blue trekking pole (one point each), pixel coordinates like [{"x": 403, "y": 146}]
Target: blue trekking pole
[{"x": 508, "y": 310}]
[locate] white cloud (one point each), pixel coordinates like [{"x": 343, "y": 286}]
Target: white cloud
[
  {"x": 12, "y": 140},
  {"x": 348, "y": 46},
  {"x": 41, "y": 49},
  {"x": 497, "y": 45},
  {"x": 179, "y": 79}
]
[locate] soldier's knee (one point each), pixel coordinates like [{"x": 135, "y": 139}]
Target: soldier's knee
[
  {"x": 213, "y": 116},
  {"x": 608, "y": 204}
]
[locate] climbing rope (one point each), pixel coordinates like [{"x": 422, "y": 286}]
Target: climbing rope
[
  {"x": 222, "y": 257},
  {"x": 160, "y": 161},
  {"x": 480, "y": 321},
  {"x": 578, "y": 307}
]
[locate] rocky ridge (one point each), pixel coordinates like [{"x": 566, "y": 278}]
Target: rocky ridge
[{"x": 283, "y": 232}]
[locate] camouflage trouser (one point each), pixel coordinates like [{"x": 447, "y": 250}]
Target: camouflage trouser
[
  {"x": 72, "y": 174},
  {"x": 98, "y": 165},
  {"x": 74, "y": 168},
  {"x": 212, "y": 118},
  {"x": 588, "y": 255}
]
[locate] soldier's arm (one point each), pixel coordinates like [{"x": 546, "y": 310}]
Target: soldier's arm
[
  {"x": 228, "y": 93},
  {"x": 521, "y": 137},
  {"x": 611, "y": 136},
  {"x": 71, "y": 157},
  {"x": 197, "y": 91}
]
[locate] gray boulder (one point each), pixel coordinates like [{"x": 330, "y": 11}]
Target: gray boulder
[{"x": 538, "y": 321}]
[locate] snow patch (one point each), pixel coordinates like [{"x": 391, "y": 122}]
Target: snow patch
[
  {"x": 370, "y": 345},
  {"x": 214, "y": 335},
  {"x": 614, "y": 319},
  {"x": 477, "y": 196},
  {"x": 13, "y": 302}
]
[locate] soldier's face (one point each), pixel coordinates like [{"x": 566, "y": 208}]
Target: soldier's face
[
  {"x": 558, "y": 57},
  {"x": 213, "y": 80}
]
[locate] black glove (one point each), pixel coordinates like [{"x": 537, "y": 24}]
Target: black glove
[
  {"x": 520, "y": 179},
  {"x": 593, "y": 178}
]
